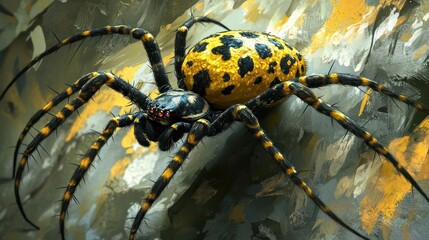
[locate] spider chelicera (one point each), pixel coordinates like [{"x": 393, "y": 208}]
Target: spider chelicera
[{"x": 229, "y": 76}]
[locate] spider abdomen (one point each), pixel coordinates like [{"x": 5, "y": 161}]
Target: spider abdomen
[{"x": 235, "y": 66}]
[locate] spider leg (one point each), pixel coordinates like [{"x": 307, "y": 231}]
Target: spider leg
[
  {"x": 85, "y": 163},
  {"x": 197, "y": 132},
  {"x": 172, "y": 135},
  {"x": 315, "y": 81},
  {"x": 180, "y": 45},
  {"x": 139, "y": 99},
  {"x": 149, "y": 43},
  {"x": 285, "y": 89},
  {"x": 94, "y": 83},
  {"x": 244, "y": 115}
]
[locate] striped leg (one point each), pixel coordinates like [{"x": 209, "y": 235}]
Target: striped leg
[
  {"x": 86, "y": 162},
  {"x": 315, "y": 81},
  {"x": 305, "y": 94},
  {"x": 148, "y": 40},
  {"x": 172, "y": 135},
  {"x": 197, "y": 132},
  {"x": 87, "y": 91},
  {"x": 180, "y": 45},
  {"x": 244, "y": 115},
  {"x": 39, "y": 114}
]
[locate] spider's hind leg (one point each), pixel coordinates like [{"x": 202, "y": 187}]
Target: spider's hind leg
[
  {"x": 244, "y": 115},
  {"x": 315, "y": 81},
  {"x": 285, "y": 89}
]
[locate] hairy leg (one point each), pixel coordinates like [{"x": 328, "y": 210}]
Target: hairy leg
[{"x": 86, "y": 162}]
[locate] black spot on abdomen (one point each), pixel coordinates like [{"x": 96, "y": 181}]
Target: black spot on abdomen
[
  {"x": 249, "y": 34},
  {"x": 275, "y": 82},
  {"x": 258, "y": 80},
  {"x": 276, "y": 43},
  {"x": 201, "y": 82},
  {"x": 286, "y": 62},
  {"x": 200, "y": 47},
  {"x": 228, "y": 90},
  {"x": 271, "y": 67},
  {"x": 228, "y": 41},
  {"x": 245, "y": 65},
  {"x": 189, "y": 63},
  {"x": 263, "y": 50},
  {"x": 226, "y": 77}
]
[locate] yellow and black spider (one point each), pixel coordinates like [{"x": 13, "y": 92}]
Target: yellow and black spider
[{"x": 229, "y": 76}]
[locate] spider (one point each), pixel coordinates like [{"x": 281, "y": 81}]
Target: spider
[{"x": 227, "y": 77}]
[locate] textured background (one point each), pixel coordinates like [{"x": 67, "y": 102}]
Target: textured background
[{"x": 229, "y": 188}]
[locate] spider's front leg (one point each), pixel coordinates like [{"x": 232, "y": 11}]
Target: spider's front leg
[
  {"x": 88, "y": 86},
  {"x": 197, "y": 132}
]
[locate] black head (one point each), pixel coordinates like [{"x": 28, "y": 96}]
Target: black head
[{"x": 177, "y": 105}]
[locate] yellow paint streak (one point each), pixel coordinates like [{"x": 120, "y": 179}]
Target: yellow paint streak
[
  {"x": 105, "y": 100},
  {"x": 128, "y": 140},
  {"x": 167, "y": 58},
  {"x": 237, "y": 214},
  {"x": 420, "y": 52},
  {"x": 282, "y": 21},
  {"x": 365, "y": 101},
  {"x": 118, "y": 169},
  {"x": 390, "y": 187},
  {"x": 406, "y": 36},
  {"x": 347, "y": 16},
  {"x": 252, "y": 13},
  {"x": 199, "y": 6}
]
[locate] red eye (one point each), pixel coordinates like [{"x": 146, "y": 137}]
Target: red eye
[
  {"x": 160, "y": 114},
  {"x": 151, "y": 110},
  {"x": 167, "y": 114}
]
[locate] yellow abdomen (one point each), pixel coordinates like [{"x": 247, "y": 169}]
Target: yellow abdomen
[{"x": 235, "y": 66}]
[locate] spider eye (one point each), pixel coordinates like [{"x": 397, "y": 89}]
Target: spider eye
[
  {"x": 160, "y": 114},
  {"x": 167, "y": 114}
]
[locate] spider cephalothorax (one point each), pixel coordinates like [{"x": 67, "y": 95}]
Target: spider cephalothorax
[
  {"x": 226, "y": 77},
  {"x": 177, "y": 105}
]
